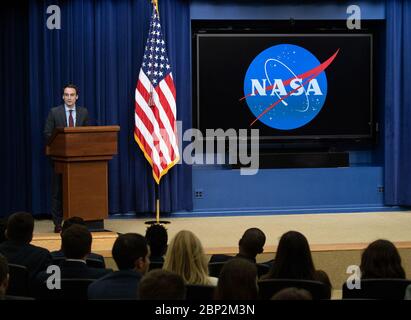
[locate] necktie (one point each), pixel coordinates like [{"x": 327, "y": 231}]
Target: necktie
[{"x": 71, "y": 121}]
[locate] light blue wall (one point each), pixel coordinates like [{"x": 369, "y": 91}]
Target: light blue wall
[
  {"x": 277, "y": 191},
  {"x": 288, "y": 190}
]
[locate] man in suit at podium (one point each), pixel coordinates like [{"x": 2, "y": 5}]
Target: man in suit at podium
[{"x": 67, "y": 115}]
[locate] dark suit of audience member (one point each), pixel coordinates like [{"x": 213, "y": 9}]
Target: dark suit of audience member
[
  {"x": 18, "y": 250},
  {"x": 67, "y": 115},
  {"x": 76, "y": 243},
  {"x": 59, "y": 254},
  {"x": 251, "y": 243},
  {"x": 130, "y": 252}
]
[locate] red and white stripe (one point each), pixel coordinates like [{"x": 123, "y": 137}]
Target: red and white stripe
[{"x": 155, "y": 127}]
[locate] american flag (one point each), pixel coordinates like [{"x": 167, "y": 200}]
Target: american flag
[{"x": 155, "y": 104}]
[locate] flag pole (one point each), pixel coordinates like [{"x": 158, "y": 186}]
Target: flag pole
[
  {"x": 157, "y": 198},
  {"x": 158, "y": 203}
]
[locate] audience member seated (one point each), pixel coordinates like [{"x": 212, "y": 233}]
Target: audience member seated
[
  {"x": 157, "y": 238},
  {"x": 185, "y": 256},
  {"x": 162, "y": 285},
  {"x": 292, "y": 294},
  {"x": 131, "y": 254},
  {"x": 294, "y": 261},
  {"x": 237, "y": 281},
  {"x": 57, "y": 255},
  {"x": 381, "y": 260},
  {"x": 4, "y": 276},
  {"x": 17, "y": 248},
  {"x": 251, "y": 243},
  {"x": 76, "y": 245}
]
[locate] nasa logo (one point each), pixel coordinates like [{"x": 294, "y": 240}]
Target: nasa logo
[{"x": 285, "y": 86}]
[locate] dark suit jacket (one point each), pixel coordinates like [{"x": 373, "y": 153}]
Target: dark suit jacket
[
  {"x": 75, "y": 270},
  {"x": 36, "y": 259},
  {"x": 57, "y": 119},
  {"x": 60, "y": 255},
  {"x": 70, "y": 270},
  {"x": 121, "y": 284}
]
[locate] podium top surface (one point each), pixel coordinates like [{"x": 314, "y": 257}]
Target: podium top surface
[
  {"x": 84, "y": 142},
  {"x": 88, "y": 129}
]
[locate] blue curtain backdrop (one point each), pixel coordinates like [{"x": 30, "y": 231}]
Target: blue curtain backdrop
[
  {"x": 15, "y": 143},
  {"x": 99, "y": 48},
  {"x": 398, "y": 104}
]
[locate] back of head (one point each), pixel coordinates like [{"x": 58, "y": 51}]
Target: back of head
[
  {"x": 127, "y": 249},
  {"x": 237, "y": 281},
  {"x": 185, "y": 256},
  {"x": 160, "y": 284},
  {"x": 381, "y": 260},
  {"x": 157, "y": 238},
  {"x": 20, "y": 226},
  {"x": 293, "y": 259},
  {"x": 76, "y": 242},
  {"x": 252, "y": 242},
  {"x": 71, "y": 221},
  {"x": 292, "y": 294}
]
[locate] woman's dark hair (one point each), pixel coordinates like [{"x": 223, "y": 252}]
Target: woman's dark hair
[
  {"x": 381, "y": 260},
  {"x": 237, "y": 281},
  {"x": 293, "y": 259}
]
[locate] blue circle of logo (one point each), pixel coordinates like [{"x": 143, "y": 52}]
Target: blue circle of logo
[{"x": 282, "y": 87}]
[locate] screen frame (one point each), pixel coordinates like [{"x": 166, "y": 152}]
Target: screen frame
[{"x": 202, "y": 29}]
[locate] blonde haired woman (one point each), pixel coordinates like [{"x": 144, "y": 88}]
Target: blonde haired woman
[{"x": 185, "y": 256}]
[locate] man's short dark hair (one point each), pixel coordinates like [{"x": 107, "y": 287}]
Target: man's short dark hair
[
  {"x": 157, "y": 238},
  {"x": 76, "y": 242},
  {"x": 127, "y": 249},
  {"x": 72, "y": 86},
  {"x": 4, "y": 268},
  {"x": 160, "y": 284},
  {"x": 252, "y": 242},
  {"x": 20, "y": 226},
  {"x": 71, "y": 221}
]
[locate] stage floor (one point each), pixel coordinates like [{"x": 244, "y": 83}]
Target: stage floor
[{"x": 321, "y": 230}]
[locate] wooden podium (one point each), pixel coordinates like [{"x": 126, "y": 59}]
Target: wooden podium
[{"x": 80, "y": 155}]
